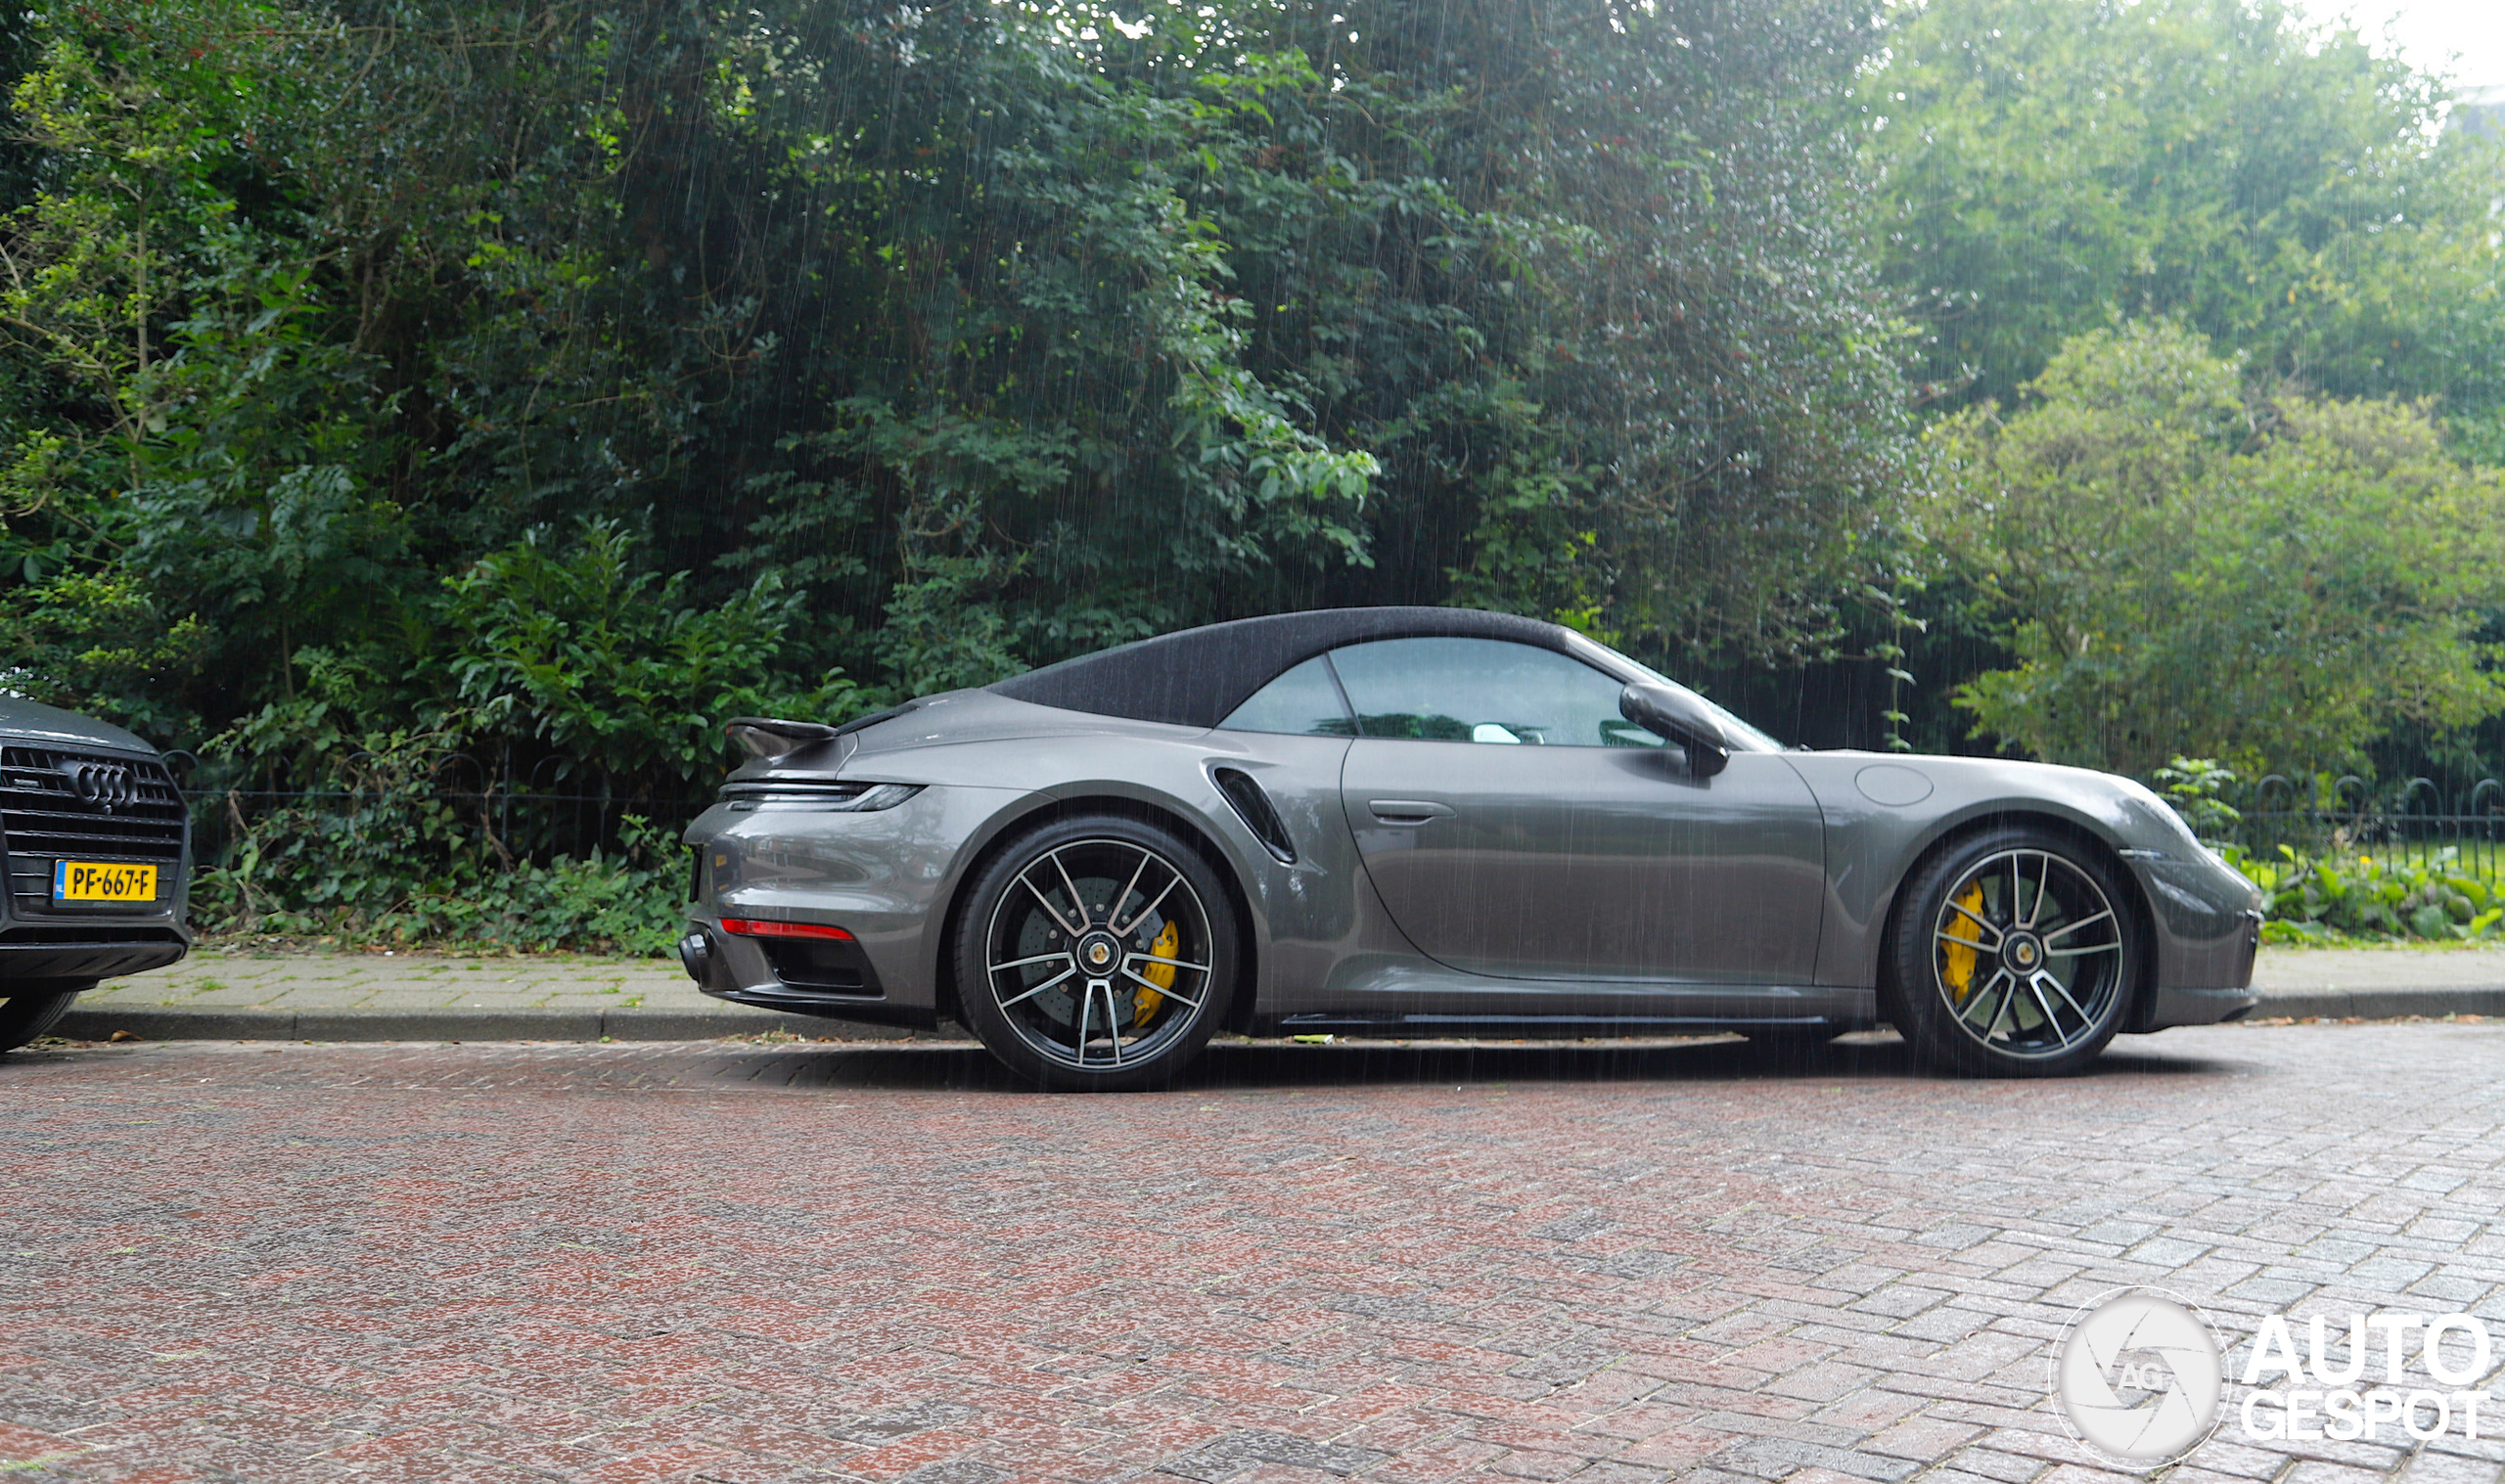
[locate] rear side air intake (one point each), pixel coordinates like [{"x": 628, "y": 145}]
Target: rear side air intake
[{"x": 1253, "y": 806}]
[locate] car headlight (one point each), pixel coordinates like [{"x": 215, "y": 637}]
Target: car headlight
[{"x": 2193, "y": 850}]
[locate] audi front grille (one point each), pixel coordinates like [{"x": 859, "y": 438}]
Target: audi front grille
[{"x": 67, "y": 804}]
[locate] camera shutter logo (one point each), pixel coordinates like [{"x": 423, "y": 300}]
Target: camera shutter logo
[{"x": 2138, "y": 1377}]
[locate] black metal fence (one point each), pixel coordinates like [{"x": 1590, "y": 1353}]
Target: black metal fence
[
  {"x": 536, "y": 819},
  {"x": 460, "y": 804},
  {"x": 2408, "y": 820}
]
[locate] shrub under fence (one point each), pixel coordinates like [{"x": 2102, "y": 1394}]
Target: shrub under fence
[
  {"x": 418, "y": 858},
  {"x": 2348, "y": 857}
]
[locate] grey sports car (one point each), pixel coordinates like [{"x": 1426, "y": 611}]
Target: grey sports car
[
  {"x": 1423, "y": 821},
  {"x": 98, "y": 847}
]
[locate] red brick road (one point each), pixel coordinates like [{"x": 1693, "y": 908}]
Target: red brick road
[{"x": 758, "y": 1263}]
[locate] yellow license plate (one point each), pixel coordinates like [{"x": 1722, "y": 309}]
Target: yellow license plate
[{"x": 102, "y": 882}]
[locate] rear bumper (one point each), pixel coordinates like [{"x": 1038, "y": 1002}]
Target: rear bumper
[
  {"x": 835, "y": 981},
  {"x": 830, "y": 1007}
]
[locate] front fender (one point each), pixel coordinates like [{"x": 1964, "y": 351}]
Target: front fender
[{"x": 2199, "y": 910}]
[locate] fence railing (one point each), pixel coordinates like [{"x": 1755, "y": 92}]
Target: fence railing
[
  {"x": 461, "y": 803},
  {"x": 2412, "y": 819}
]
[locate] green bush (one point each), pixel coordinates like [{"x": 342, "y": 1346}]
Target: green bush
[
  {"x": 2192, "y": 561},
  {"x": 628, "y": 901},
  {"x": 2341, "y": 893},
  {"x": 2310, "y": 899},
  {"x": 2192, "y": 784},
  {"x": 386, "y": 857}
]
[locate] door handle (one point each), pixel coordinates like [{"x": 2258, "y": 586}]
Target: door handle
[{"x": 1409, "y": 811}]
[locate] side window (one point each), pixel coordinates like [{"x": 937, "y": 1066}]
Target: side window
[
  {"x": 1303, "y": 701},
  {"x": 1482, "y": 691}
]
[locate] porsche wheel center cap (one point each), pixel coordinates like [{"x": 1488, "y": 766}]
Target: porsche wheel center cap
[
  {"x": 1098, "y": 952},
  {"x": 2024, "y": 952}
]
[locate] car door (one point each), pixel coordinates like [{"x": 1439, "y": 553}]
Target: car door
[{"x": 1516, "y": 827}]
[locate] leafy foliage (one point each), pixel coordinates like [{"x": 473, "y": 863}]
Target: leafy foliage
[
  {"x": 550, "y": 380},
  {"x": 613, "y": 669},
  {"x": 2312, "y": 898},
  {"x": 2196, "y": 565},
  {"x": 2054, "y": 166},
  {"x": 986, "y": 335},
  {"x": 547, "y": 380},
  {"x": 2191, "y": 786},
  {"x": 383, "y": 855}
]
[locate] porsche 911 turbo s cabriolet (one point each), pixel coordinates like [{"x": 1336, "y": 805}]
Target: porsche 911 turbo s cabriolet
[{"x": 1426, "y": 822}]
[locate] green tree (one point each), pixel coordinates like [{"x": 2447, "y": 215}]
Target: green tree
[
  {"x": 988, "y": 334},
  {"x": 2196, "y": 565},
  {"x": 2057, "y": 165},
  {"x": 188, "y": 423}
]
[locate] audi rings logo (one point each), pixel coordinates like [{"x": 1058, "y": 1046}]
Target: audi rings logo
[
  {"x": 103, "y": 785},
  {"x": 2138, "y": 1377}
]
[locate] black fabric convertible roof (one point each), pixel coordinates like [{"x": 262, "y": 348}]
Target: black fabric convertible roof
[{"x": 1196, "y": 677}]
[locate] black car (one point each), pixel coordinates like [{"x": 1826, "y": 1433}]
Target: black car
[{"x": 98, "y": 850}]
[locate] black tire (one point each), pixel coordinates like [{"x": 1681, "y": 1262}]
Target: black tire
[
  {"x": 31, "y": 1009},
  {"x": 1077, "y": 1006},
  {"x": 2013, "y": 953}
]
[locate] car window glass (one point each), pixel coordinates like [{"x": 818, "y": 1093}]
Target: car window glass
[
  {"x": 1483, "y": 691},
  {"x": 1303, "y": 701}
]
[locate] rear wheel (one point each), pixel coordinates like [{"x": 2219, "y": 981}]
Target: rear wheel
[
  {"x": 1096, "y": 955},
  {"x": 33, "y": 1008},
  {"x": 2013, "y": 956}
]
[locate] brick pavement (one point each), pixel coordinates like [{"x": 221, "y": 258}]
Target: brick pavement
[{"x": 751, "y": 1264}]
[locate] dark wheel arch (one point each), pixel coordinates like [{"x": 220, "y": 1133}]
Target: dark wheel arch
[
  {"x": 34, "y": 1007},
  {"x": 1236, "y": 1016}
]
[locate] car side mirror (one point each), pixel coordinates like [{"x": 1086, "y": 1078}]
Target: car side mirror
[{"x": 1674, "y": 716}]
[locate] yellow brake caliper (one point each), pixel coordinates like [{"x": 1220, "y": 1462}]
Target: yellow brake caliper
[
  {"x": 1145, "y": 1004},
  {"x": 1958, "y": 965}
]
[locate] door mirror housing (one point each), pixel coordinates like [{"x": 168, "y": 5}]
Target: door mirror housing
[{"x": 1673, "y": 716}]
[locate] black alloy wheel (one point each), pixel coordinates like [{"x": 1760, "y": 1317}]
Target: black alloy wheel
[
  {"x": 1096, "y": 954},
  {"x": 2013, "y": 953}
]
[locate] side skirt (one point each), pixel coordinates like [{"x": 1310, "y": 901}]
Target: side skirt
[{"x": 1540, "y": 1027}]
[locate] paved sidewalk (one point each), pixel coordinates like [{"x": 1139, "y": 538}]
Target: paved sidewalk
[
  {"x": 222, "y": 995},
  {"x": 2380, "y": 983},
  {"x": 247, "y": 996}
]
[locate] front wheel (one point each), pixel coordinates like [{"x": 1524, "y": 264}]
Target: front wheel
[
  {"x": 1096, "y": 955},
  {"x": 2013, "y": 954},
  {"x": 32, "y": 1009}
]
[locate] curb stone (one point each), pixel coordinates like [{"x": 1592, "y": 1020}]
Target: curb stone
[
  {"x": 156, "y": 1023},
  {"x": 524, "y": 1023},
  {"x": 2381, "y": 1003}
]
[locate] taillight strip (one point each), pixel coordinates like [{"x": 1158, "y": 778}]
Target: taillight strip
[{"x": 759, "y": 927}]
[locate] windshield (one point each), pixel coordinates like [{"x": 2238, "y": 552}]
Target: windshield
[{"x": 1744, "y": 736}]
